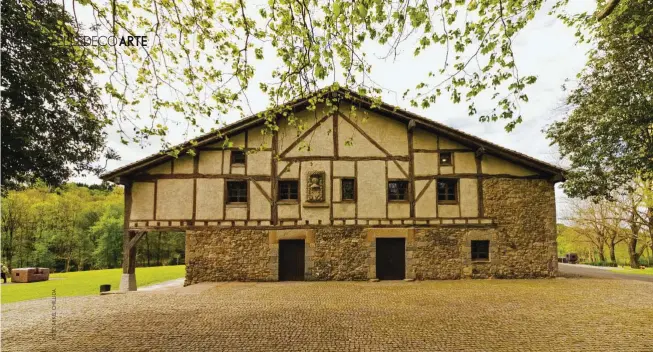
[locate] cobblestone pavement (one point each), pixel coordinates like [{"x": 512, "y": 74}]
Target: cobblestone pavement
[{"x": 469, "y": 315}]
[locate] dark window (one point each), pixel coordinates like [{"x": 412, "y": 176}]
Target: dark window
[
  {"x": 398, "y": 190},
  {"x": 348, "y": 189},
  {"x": 480, "y": 250},
  {"x": 237, "y": 191},
  {"x": 445, "y": 159},
  {"x": 447, "y": 190},
  {"x": 237, "y": 157},
  {"x": 288, "y": 190}
]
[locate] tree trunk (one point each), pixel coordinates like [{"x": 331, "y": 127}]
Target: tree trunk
[
  {"x": 9, "y": 251},
  {"x": 632, "y": 253},
  {"x": 613, "y": 257},
  {"x": 147, "y": 248},
  {"x": 158, "y": 250},
  {"x": 650, "y": 225}
]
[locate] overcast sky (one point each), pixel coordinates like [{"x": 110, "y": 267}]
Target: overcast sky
[{"x": 546, "y": 49}]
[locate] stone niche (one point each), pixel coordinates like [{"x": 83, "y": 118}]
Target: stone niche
[{"x": 315, "y": 181}]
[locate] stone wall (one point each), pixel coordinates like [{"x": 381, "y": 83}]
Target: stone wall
[
  {"x": 437, "y": 253},
  {"x": 524, "y": 210},
  {"x": 227, "y": 255},
  {"x": 341, "y": 253},
  {"x": 522, "y": 244}
]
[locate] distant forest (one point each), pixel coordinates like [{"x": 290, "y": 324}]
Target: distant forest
[{"x": 75, "y": 227}]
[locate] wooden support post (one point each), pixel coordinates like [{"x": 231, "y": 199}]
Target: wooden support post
[
  {"x": 130, "y": 239},
  {"x": 479, "y": 181},
  {"x": 411, "y": 168},
  {"x": 274, "y": 216},
  {"x": 128, "y": 280}
]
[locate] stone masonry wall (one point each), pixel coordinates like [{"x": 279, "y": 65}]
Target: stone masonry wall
[
  {"x": 227, "y": 255},
  {"x": 437, "y": 253},
  {"x": 526, "y": 233},
  {"x": 341, "y": 253},
  {"x": 522, "y": 244}
]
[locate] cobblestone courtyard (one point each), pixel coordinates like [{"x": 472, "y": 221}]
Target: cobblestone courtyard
[{"x": 473, "y": 315}]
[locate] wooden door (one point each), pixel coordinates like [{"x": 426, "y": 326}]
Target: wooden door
[
  {"x": 391, "y": 258},
  {"x": 291, "y": 260}
]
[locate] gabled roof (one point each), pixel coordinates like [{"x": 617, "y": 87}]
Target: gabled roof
[{"x": 360, "y": 100}]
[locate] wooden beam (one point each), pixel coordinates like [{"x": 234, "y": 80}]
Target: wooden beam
[
  {"x": 260, "y": 188},
  {"x": 421, "y": 193},
  {"x": 362, "y": 132},
  {"x": 273, "y": 179},
  {"x": 288, "y": 165},
  {"x": 304, "y": 135},
  {"x": 134, "y": 239},
  {"x": 335, "y": 134},
  {"x": 479, "y": 181},
  {"x": 146, "y": 178},
  {"x": 347, "y": 158},
  {"x": 411, "y": 168}
]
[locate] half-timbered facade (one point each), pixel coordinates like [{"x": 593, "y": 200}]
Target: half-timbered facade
[{"x": 353, "y": 192}]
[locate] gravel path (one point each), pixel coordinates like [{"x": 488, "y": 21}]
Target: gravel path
[
  {"x": 467, "y": 315},
  {"x": 597, "y": 272},
  {"x": 166, "y": 285}
]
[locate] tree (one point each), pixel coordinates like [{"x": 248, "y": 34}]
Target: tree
[
  {"x": 624, "y": 219},
  {"x": 14, "y": 219},
  {"x": 73, "y": 227},
  {"x": 608, "y": 136},
  {"x": 635, "y": 209},
  {"x": 591, "y": 222},
  {"x": 52, "y": 115},
  {"x": 201, "y": 58},
  {"x": 109, "y": 231}
]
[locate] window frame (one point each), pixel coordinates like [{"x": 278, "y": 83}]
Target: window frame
[
  {"x": 449, "y": 163},
  {"x": 288, "y": 200},
  {"x": 474, "y": 252},
  {"x": 407, "y": 193},
  {"x": 232, "y": 157},
  {"x": 342, "y": 189},
  {"x": 228, "y": 193},
  {"x": 455, "y": 193}
]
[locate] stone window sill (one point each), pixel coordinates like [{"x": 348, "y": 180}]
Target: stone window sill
[
  {"x": 480, "y": 261},
  {"x": 236, "y": 205},
  {"x": 316, "y": 205},
  {"x": 288, "y": 201}
]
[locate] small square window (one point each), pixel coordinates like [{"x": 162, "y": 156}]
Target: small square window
[
  {"x": 348, "y": 189},
  {"x": 288, "y": 190},
  {"x": 447, "y": 190},
  {"x": 236, "y": 191},
  {"x": 237, "y": 157},
  {"x": 481, "y": 250},
  {"x": 398, "y": 190},
  {"x": 445, "y": 159}
]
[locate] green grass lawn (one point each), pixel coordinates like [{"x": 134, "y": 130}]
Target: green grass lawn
[
  {"x": 647, "y": 271},
  {"x": 83, "y": 283}
]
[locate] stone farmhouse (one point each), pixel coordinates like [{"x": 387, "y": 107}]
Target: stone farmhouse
[{"x": 362, "y": 191}]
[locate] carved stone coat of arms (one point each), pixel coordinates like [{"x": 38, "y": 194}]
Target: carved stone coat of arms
[{"x": 315, "y": 186}]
